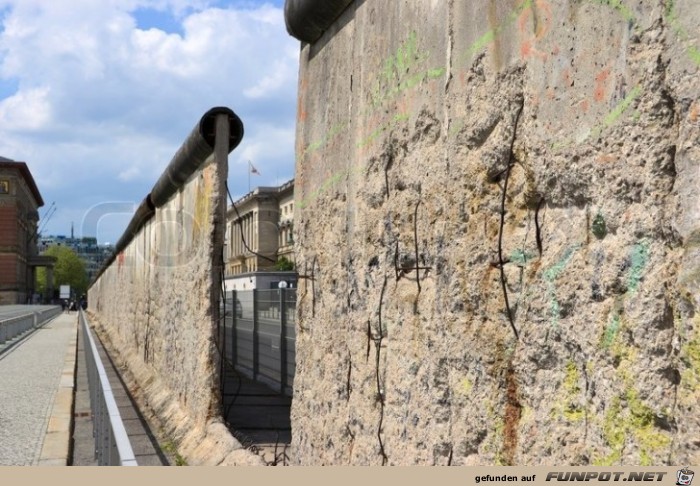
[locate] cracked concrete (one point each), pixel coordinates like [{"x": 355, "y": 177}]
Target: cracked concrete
[{"x": 406, "y": 225}]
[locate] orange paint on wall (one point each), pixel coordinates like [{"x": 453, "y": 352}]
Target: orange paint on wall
[
  {"x": 606, "y": 158},
  {"x": 301, "y": 113},
  {"x": 544, "y": 19},
  {"x": 600, "y": 83},
  {"x": 566, "y": 78},
  {"x": 463, "y": 78},
  {"x": 694, "y": 112}
]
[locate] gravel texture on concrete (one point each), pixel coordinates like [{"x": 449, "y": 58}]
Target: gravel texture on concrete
[{"x": 496, "y": 212}]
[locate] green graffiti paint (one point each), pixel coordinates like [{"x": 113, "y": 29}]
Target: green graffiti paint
[
  {"x": 520, "y": 257},
  {"x": 381, "y": 129},
  {"x": 550, "y": 275},
  {"x": 611, "y": 331},
  {"x": 622, "y": 9},
  {"x": 639, "y": 257},
  {"x": 407, "y": 57},
  {"x": 608, "y": 120},
  {"x": 673, "y": 20},
  {"x": 598, "y": 226}
]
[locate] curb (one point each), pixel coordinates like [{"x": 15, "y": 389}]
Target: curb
[{"x": 56, "y": 448}]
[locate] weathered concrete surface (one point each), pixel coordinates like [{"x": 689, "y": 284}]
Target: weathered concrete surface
[
  {"x": 156, "y": 308},
  {"x": 419, "y": 125}
]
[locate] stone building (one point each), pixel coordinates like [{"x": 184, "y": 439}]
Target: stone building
[
  {"x": 19, "y": 204},
  {"x": 262, "y": 221}
]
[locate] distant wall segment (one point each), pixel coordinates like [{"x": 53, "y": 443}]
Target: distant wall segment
[{"x": 157, "y": 300}]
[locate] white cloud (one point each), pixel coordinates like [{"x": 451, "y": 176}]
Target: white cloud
[
  {"x": 27, "y": 110},
  {"x": 102, "y": 105},
  {"x": 269, "y": 143},
  {"x": 129, "y": 174},
  {"x": 277, "y": 78}
]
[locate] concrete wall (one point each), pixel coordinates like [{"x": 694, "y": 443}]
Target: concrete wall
[
  {"x": 452, "y": 155},
  {"x": 156, "y": 306}
]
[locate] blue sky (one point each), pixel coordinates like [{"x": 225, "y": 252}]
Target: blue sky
[{"x": 97, "y": 95}]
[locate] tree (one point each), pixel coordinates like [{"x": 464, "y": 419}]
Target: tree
[
  {"x": 284, "y": 265},
  {"x": 68, "y": 270}
]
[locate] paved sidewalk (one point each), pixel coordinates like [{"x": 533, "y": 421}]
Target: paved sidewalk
[
  {"x": 36, "y": 388},
  {"x": 45, "y": 417}
]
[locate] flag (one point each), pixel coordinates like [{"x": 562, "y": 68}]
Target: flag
[{"x": 253, "y": 170}]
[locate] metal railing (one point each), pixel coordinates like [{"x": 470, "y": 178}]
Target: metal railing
[
  {"x": 16, "y": 326},
  {"x": 259, "y": 335},
  {"x": 112, "y": 445}
]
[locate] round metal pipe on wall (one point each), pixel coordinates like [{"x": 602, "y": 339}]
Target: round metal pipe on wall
[
  {"x": 143, "y": 213},
  {"x": 307, "y": 20},
  {"x": 198, "y": 146}
]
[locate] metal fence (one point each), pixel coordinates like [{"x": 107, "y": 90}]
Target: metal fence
[
  {"x": 16, "y": 326},
  {"x": 259, "y": 335},
  {"x": 112, "y": 446}
]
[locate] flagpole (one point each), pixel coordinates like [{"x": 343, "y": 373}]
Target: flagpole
[{"x": 249, "y": 165}]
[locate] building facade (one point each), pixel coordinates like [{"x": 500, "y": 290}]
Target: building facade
[
  {"x": 259, "y": 230},
  {"x": 20, "y": 201}
]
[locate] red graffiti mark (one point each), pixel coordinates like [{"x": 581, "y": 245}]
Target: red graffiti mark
[
  {"x": 463, "y": 78},
  {"x": 566, "y": 78},
  {"x": 542, "y": 17},
  {"x": 626, "y": 216},
  {"x": 600, "y": 83},
  {"x": 120, "y": 260},
  {"x": 301, "y": 113},
  {"x": 584, "y": 105},
  {"x": 402, "y": 105},
  {"x": 527, "y": 49}
]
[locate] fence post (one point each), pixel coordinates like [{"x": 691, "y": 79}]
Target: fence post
[
  {"x": 234, "y": 325},
  {"x": 256, "y": 357},
  {"x": 283, "y": 340}
]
